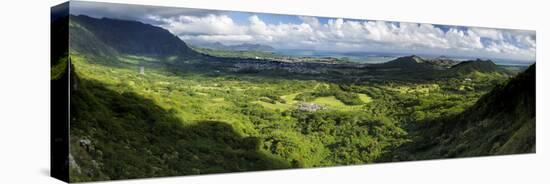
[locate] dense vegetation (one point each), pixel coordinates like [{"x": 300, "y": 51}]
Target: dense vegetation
[
  {"x": 504, "y": 119},
  {"x": 190, "y": 113},
  {"x": 123, "y": 135}
]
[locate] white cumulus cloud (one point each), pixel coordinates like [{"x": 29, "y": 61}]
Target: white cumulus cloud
[{"x": 355, "y": 35}]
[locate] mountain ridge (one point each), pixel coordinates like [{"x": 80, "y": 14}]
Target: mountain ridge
[{"x": 127, "y": 37}]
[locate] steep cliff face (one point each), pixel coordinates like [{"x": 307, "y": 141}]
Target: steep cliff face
[{"x": 109, "y": 36}]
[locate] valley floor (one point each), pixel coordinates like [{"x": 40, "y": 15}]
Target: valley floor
[{"x": 279, "y": 122}]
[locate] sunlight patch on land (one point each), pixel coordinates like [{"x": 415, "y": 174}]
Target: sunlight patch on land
[
  {"x": 332, "y": 103},
  {"x": 276, "y": 106},
  {"x": 365, "y": 98},
  {"x": 290, "y": 98},
  {"x": 132, "y": 59},
  {"x": 329, "y": 101}
]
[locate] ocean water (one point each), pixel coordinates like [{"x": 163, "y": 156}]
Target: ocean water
[
  {"x": 373, "y": 57},
  {"x": 359, "y": 57}
]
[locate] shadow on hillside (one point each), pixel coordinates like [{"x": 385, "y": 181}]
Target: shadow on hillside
[
  {"x": 118, "y": 135},
  {"x": 501, "y": 122}
]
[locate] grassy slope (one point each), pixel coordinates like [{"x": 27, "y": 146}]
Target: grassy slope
[
  {"x": 133, "y": 137},
  {"x": 501, "y": 122}
]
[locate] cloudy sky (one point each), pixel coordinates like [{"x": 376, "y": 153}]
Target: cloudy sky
[{"x": 320, "y": 33}]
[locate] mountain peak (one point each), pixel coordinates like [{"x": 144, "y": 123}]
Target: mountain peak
[
  {"x": 477, "y": 62},
  {"x": 415, "y": 58},
  {"x": 479, "y": 65},
  {"x": 126, "y": 36},
  {"x": 409, "y": 59},
  {"x": 406, "y": 61}
]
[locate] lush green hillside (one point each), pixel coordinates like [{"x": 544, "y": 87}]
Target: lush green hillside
[
  {"x": 123, "y": 135},
  {"x": 473, "y": 67},
  {"x": 500, "y": 122}
]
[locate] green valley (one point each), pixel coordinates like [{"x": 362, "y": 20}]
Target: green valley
[{"x": 145, "y": 104}]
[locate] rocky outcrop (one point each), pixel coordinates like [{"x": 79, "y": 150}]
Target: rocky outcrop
[
  {"x": 86, "y": 144},
  {"x": 73, "y": 165}
]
